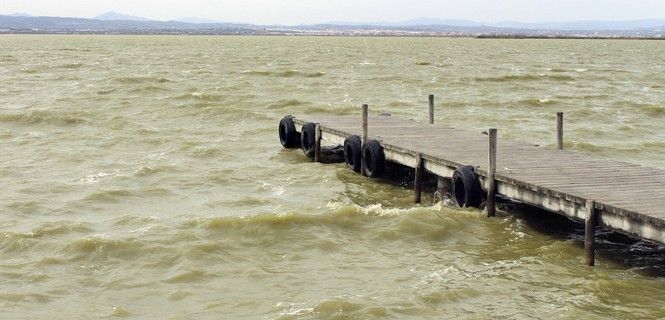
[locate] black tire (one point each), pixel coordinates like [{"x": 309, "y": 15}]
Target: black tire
[
  {"x": 352, "y": 152},
  {"x": 467, "y": 191},
  {"x": 288, "y": 136},
  {"x": 373, "y": 158},
  {"x": 307, "y": 137}
]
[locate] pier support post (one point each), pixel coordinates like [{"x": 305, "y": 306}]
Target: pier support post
[
  {"x": 490, "y": 205},
  {"x": 590, "y": 233},
  {"x": 317, "y": 143},
  {"x": 441, "y": 189},
  {"x": 559, "y": 130},
  {"x": 431, "y": 109},
  {"x": 363, "y": 138},
  {"x": 418, "y": 177}
]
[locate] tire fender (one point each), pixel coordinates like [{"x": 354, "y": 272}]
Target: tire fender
[
  {"x": 467, "y": 191},
  {"x": 307, "y": 137},
  {"x": 352, "y": 152},
  {"x": 288, "y": 135},
  {"x": 373, "y": 158}
]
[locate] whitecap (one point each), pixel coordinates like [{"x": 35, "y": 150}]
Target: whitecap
[{"x": 94, "y": 178}]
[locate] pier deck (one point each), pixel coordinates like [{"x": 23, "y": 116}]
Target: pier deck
[{"x": 629, "y": 198}]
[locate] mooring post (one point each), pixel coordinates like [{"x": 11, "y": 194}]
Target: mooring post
[
  {"x": 317, "y": 143},
  {"x": 559, "y": 130},
  {"x": 590, "y": 233},
  {"x": 431, "y": 109},
  {"x": 441, "y": 188},
  {"x": 490, "y": 205},
  {"x": 363, "y": 139},
  {"x": 418, "y": 176}
]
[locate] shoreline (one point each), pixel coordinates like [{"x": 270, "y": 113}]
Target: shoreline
[{"x": 315, "y": 34}]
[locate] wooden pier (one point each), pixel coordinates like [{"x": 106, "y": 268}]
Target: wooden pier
[{"x": 625, "y": 197}]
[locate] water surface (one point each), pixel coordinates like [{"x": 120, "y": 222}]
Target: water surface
[{"x": 142, "y": 178}]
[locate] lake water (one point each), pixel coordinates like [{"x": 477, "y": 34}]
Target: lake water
[{"x": 142, "y": 177}]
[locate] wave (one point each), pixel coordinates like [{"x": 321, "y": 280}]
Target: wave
[
  {"x": 202, "y": 96},
  {"x": 257, "y": 73},
  {"x": 59, "y": 228},
  {"x": 148, "y": 89},
  {"x": 588, "y": 147},
  {"x": 646, "y": 108},
  {"x": 141, "y": 79},
  {"x": 75, "y": 49},
  {"x": 538, "y": 102},
  {"x": 25, "y": 207},
  {"x": 109, "y": 195},
  {"x": 106, "y": 91},
  {"x": 146, "y": 171},
  {"x": 655, "y": 145},
  {"x": 46, "y": 117},
  {"x": 189, "y": 277},
  {"x": 8, "y": 58},
  {"x": 98, "y": 246},
  {"x": 525, "y": 77},
  {"x": 241, "y": 232},
  {"x": 281, "y": 104},
  {"x": 70, "y": 66},
  {"x": 208, "y": 152},
  {"x": 416, "y": 221},
  {"x": 231, "y": 234},
  {"x": 653, "y": 110},
  {"x": 560, "y": 70},
  {"x": 33, "y": 69},
  {"x": 285, "y": 74}
]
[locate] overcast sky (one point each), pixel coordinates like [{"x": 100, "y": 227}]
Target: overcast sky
[{"x": 312, "y": 11}]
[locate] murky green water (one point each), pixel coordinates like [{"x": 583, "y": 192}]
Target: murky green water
[{"x": 142, "y": 178}]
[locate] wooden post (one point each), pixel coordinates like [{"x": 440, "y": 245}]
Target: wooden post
[
  {"x": 317, "y": 143},
  {"x": 490, "y": 205},
  {"x": 590, "y": 233},
  {"x": 431, "y": 109},
  {"x": 559, "y": 130},
  {"x": 441, "y": 189},
  {"x": 363, "y": 139},
  {"x": 417, "y": 180}
]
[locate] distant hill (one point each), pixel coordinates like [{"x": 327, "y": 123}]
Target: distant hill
[
  {"x": 114, "y": 16},
  {"x": 69, "y": 25}
]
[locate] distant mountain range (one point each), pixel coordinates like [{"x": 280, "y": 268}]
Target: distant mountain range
[
  {"x": 114, "y": 16},
  {"x": 114, "y": 22},
  {"x": 567, "y": 26}
]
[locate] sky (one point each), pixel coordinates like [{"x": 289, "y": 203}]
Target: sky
[{"x": 317, "y": 11}]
